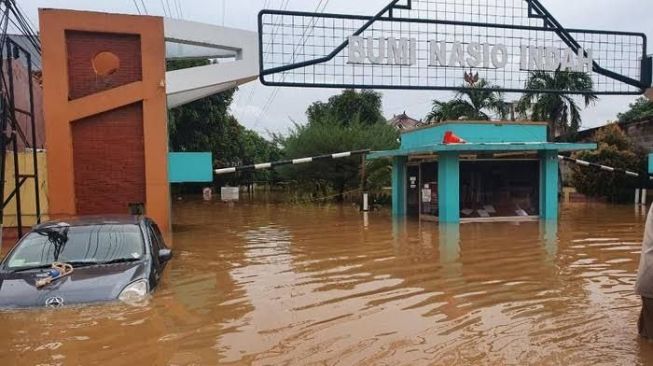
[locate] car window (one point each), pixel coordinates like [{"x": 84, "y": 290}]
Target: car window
[
  {"x": 158, "y": 236},
  {"x": 93, "y": 243},
  {"x": 155, "y": 241}
]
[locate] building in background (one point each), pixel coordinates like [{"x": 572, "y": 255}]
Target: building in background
[{"x": 404, "y": 123}]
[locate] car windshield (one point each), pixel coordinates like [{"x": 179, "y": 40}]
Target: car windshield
[{"x": 85, "y": 244}]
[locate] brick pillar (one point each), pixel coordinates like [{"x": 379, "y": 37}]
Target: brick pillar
[{"x": 105, "y": 113}]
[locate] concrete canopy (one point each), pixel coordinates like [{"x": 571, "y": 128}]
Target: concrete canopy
[
  {"x": 199, "y": 40},
  {"x": 480, "y": 136},
  {"x": 482, "y": 147}
]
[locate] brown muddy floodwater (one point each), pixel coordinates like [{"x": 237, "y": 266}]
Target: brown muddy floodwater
[{"x": 297, "y": 285}]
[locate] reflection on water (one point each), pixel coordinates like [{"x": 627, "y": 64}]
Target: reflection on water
[{"x": 274, "y": 284}]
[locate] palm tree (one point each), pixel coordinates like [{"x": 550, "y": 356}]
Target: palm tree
[
  {"x": 560, "y": 110},
  {"x": 475, "y": 101}
]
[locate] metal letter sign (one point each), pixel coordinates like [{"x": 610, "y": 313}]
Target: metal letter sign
[{"x": 431, "y": 44}]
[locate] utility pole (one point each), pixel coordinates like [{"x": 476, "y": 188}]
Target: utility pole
[
  {"x": 643, "y": 195},
  {"x": 366, "y": 205}
]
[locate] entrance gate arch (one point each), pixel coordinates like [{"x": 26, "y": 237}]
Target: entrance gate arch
[{"x": 430, "y": 44}]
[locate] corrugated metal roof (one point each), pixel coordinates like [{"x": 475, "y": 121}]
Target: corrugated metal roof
[{"x": 23, "y": 41}]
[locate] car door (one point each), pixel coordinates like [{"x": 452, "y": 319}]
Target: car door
[{"x": 156, "y": 244}]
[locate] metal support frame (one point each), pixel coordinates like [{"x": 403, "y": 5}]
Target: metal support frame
[
  {"x": 568, "y": 39},
  {"x": 535, "y": 10},
  {"x": 11, "y": 132}
]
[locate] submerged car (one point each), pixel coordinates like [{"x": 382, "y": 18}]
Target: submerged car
[{"x": 85, "y": 260}]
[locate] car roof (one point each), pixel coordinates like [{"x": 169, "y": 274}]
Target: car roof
[{"x": 94, "y": 220}]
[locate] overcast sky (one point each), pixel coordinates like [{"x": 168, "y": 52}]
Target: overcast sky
[{"x": 291, "y": 103}]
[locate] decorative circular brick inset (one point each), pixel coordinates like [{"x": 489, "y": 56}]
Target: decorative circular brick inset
[{"x": 105, "y": 63}]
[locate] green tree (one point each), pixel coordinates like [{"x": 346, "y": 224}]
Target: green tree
[
  {"x": 327, "y": 136},
  {"x": 560, "y": 110},
  {"x": 615, "y": 149},
  {"x": 350, "y": 105},
  {"x": 640, "y": 109},
  {"x": 477, "y": 101}
]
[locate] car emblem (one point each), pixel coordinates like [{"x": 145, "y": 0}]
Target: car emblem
[{"x": 54, "y": 302}]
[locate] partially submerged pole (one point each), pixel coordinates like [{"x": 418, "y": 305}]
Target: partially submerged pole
[
  {"x": 644, "y": 197},
  {"x": 366, "y": 205}
]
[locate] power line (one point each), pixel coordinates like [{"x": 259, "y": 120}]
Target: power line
[
  {"x": 304, "y": 38},
  {"x": 173, "y": 9},
  {"x": 22, "y": 25},
  {"x": 275, "y": 92},
  {"x": 144, "y": 7},
  {"x": 165, "y": 12},
  {"x": 169, "y": 9},
  {"x": 137, "y": 8},
  {"x": 178, "y": 6},
  {"x": 26, "y": 17},
  {"x": 18, "y": 14},
  {"x": 276, "y": 26},
  {"x": 224, "y": 10}
]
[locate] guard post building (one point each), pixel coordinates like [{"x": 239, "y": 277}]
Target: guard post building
[{"x": 499, "y": 171}]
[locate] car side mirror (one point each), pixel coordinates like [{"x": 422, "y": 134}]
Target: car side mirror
[{"x": 165, "y": 255}]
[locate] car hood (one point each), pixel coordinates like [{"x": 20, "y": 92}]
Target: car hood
[{"x": 84, "y": 285}]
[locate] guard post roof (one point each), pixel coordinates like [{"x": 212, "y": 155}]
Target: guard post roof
[{"x": 483, "y": 136}]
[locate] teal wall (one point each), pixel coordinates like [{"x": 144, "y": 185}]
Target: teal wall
[
  {"x": 449, "y": 187},
  {"x": 475, "y": 133},
  {"x": 193, "y": 167},
  {"x": 399, "y": 186},
  {"x": 650, "y": 163},
  {"x": 549, "y": 175},
  {"x": 482, "y": 137}
]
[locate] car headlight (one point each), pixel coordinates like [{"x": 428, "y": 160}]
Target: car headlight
[{"x": 134, "y": 292}]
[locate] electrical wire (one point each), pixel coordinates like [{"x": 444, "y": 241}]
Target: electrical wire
[
  {"x": 25, "y": 29},
  {"x": 23, "y": 26},
  {"x": 165, "y": 12},
  {"x": 177, "y": 4},
  {"x": 137, "y": 8},
  {"x": 276, "y": 26},
  {"x": 304, "y": 38},
  {"x": 144, "y": 7},
  {"x": 33, "y": 26},
  {"x": 169, "y": 9}
]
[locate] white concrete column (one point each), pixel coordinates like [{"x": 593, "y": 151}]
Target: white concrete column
[{"x": 644, "y": 197}]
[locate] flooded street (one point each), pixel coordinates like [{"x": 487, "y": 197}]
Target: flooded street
[{"x": 277, "y": 284}]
